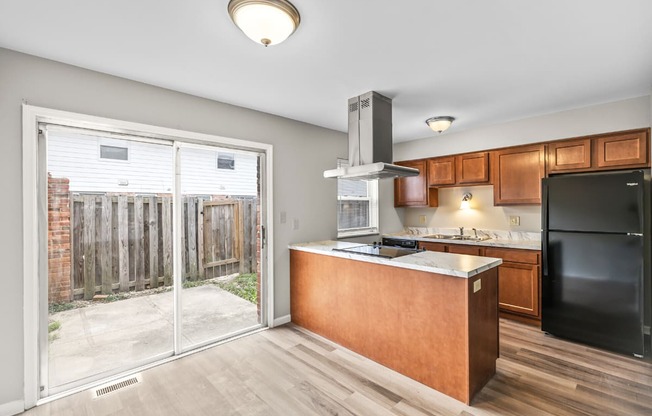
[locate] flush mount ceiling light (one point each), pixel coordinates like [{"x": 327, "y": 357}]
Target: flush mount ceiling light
[
  {"x": 268, "y": 22},
  {"x": 439, "y": 124},
  {"x": 465, "y": 201}
]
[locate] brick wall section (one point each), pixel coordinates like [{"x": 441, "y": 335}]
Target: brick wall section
[{"x": 59, "y": 273}]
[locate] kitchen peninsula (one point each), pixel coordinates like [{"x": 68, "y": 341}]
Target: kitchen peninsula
[{"x": 430, "y": 316}]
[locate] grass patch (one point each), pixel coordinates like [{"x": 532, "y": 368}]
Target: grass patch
[
  {"x": 53, "y": 326},
  {"x": 60, "y": 307},
  {"x": 243, "y": 286}
]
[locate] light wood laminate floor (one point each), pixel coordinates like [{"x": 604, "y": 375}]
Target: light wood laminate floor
[{"x": 287, "y": 371}]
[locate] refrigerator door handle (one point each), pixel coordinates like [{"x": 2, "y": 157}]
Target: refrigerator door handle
[{"x": 544, "y": 254}]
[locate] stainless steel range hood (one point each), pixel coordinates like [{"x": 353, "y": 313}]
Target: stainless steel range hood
[{"x": 370, "y": 141}]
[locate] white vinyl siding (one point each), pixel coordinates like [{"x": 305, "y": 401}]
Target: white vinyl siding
[{"x": 148, "y": 170}]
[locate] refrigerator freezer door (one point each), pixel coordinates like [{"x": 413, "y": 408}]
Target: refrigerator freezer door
[
  {"x": 609, "y": 203},
  {"x": 593, "y": 291}
]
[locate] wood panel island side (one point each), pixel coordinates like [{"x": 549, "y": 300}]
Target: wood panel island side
[{"x": 430, "y": 316}]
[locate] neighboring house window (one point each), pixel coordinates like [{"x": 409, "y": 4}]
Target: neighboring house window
[
  {"x": 226, "y": 161},
  {"x": 114, "y": 152},
  {"x": 357, "y": 206}
]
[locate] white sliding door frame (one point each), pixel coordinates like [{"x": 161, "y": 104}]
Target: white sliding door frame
[{"x": 32, "y": 270}]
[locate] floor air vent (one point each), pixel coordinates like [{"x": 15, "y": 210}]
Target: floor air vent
[{"x": 115, "y": 386}]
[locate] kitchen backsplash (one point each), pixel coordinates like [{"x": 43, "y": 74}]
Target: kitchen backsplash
[{"x": 494, "y": 234}]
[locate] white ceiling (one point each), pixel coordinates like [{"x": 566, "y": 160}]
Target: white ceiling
[{"x": 480, "y": 61}]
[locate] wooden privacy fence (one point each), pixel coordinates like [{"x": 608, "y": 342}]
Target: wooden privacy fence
[{"x": 122, "y": 242}]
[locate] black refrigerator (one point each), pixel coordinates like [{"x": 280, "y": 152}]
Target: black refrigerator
[{"x": 595, "y": 284}]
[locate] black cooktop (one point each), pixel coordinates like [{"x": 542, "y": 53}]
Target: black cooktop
[{"x": 379, "y": 250}]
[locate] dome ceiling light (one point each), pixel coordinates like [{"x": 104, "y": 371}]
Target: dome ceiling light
[
  {"x": 268, "y": 22},
  {"x": 440, "y": 124}
]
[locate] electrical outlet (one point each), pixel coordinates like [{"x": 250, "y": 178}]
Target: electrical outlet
[
  {"x": 422, "y": 219},
  {"x": 295, "y": 224},
  {"x": 477, "y": 285},
  {"x": 514, "y": 220}
]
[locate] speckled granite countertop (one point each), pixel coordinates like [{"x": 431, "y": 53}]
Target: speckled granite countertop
[
  {"x": 498, "y": 238},
  {"x": 459, "y": 265}
]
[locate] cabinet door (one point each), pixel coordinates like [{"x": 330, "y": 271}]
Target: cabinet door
[
  {"x": 473, "y": 168},
  {"x": 441, "y": 171},
  {"x": 413, "y": 191},
  {"x": 622, "y": 150},
  {"x": 518, "y": 172},
  {"x": 519, "y": 288},
  {"x": 569, "y": 155},
  {"x": 464, "y": 249},
  {"x": 433, "y": 246}
]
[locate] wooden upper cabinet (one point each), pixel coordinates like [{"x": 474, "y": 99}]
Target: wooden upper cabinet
[
  {"x": 473, "y": 168},
  {"x": 569, "y": 155},
  {"x": 517, "y": 175},
  {"x": 628, "y": 149},
  {"x": 413, "y": 191},
  {"x": 441, "y": 171}
]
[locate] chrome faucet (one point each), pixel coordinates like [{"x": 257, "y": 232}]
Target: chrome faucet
[
  {"x": 461, "y": 231},
  {"x": 475, "y": 232}
]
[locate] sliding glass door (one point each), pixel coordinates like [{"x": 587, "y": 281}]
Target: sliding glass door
[
  {"x": 150, "y": 247},
  {"x": 220, "y": 200}
]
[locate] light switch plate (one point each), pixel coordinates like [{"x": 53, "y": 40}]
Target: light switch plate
[
  {"x": 422, "y": 219},
  {"x": 284, "y": 217},
  {"x": 514, "y": 220},
  {"x": 477, "y": 285},
  {"x": 295, "y": 224}
]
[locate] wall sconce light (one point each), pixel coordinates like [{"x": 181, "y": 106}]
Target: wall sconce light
[
  {"x": 465, "y": 201},
  {"x": 439, "y": 124},
  {"x": 268, "y": 22}
]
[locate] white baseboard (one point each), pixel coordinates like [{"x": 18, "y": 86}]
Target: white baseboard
[
  {"x": 281, "y": 321},
  {"x": 12, "y": 408}
]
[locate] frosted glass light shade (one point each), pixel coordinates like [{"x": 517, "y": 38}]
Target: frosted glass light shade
[
  {"x": 466, "y": 198},
  {"x": 268, "y": 22},
  {"x": 439, "y": 124}
]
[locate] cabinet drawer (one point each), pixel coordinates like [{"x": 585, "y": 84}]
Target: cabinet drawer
[
  {"x": 463, "y": 249},
  {"x": 514, "y": 255},
  {"x": 432, "y": 246}
]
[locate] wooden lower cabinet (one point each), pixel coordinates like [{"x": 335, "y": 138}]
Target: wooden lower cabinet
[
  {"x": 430, "y": 327},
  {"x": 519, "y": 277}
]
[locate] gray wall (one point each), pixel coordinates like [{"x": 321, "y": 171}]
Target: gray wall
[
  {"x": 619, "y": 115},
  {"x": 301, "y": 153}
]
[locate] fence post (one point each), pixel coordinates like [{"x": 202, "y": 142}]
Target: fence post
[
  {"x": 192, "y": 237},
  {"x": 166, "y": 224},
  {"x": 200, "y": 238},
  {"x": 153, "y": 243},
  {"x": 105, "y": 246},
  {"x": 139, "y": 244},
  {"x": 123, "y": 242},
  {"x": 89, "y": 246}
]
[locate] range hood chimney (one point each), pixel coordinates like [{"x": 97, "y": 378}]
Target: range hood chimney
[{"x": 370, "y": 141}]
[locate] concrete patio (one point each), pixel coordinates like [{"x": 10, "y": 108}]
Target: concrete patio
[{"x": 108, "y": 336}]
